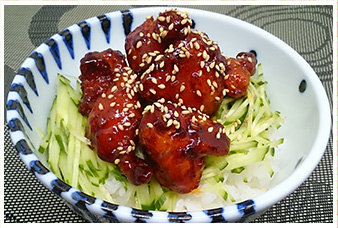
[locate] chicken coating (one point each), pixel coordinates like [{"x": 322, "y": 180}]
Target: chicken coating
[
  {"x": 248, "y": 60},
  {"x": 176, "y": 140},
  {"x": 190, "y": 72},
  {"x": 239, "y": 70},
  {"x": 154, "y": 36},
  {"x": 113, "y": 123},
  {"x": 97, "y": 74},
  {"x": 112, "y": 103}
]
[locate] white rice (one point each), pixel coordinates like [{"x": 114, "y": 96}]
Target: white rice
[{"x": 258, "y": 181}]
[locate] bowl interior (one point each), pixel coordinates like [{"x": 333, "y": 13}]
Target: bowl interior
[{"x": 293, "y": 87}]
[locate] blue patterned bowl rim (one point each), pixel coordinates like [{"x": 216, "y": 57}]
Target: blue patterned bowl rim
[{"x": 99, "y": 210}]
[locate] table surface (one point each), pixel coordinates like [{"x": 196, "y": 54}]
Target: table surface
[{"x": 307, "y": 29}]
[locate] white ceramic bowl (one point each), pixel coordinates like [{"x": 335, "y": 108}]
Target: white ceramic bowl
[{"x": 306, "y": 128}]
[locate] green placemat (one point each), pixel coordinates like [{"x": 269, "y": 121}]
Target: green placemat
[{"x": 308, "y": 29}]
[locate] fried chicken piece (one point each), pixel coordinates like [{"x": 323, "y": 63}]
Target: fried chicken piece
[
  {"x": 248, "y": 60},
  {"x": 97, "y": 75},
  {"x": 113, "y": 122},
  {"x": 139, "y": 43},
  {"x": 154, "y": 36},
  {"x": 239, "y": 70},
  {"x": 172, "y": 25},
  {"x": 176, "y": 140},
  {"x": 190, "y": 72}
]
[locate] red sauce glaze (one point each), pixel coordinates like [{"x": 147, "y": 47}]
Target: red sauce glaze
[
  {"x": 248, "y": 60},
  {"x": 176, "y": 141},
  {"x": 97, "y": 74},
  {"x": 191, "y": 71},
  {"x": 239, "y": 70},
  {"x": 172, "y": 25},
  {"x": 113, "y": 121},
  {"x": 140, "y": 42},
  {"x": 153, "y": 37}
]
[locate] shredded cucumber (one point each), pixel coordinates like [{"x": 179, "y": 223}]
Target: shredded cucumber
[
  {"x": 66, "y": 146},
  {"x": 248, "y": 122}
]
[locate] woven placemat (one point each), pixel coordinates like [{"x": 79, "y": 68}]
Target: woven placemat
[{"x": 308, "y": 29}]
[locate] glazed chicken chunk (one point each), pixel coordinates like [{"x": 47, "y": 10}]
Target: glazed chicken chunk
[
  {"x": 239, "y": 70},
  {"x": 176, "y": 140},
  {"x": 190, "y": 72},
  {"x": 154, "y": 36},
  {"x": 114, "y": 118},
  {"x": 97, "y": 74}
]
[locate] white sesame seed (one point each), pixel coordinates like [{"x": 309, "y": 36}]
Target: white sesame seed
[
  {"x": 182, "y": 88},
  {"x": 202, "y": 108},
  {"x": 184, "y": 21},
  {"x": 173, "y": 77},
  {"x": 152, "y": 91},
  {"x": 161, "y": 86},
  {"x": 232, "y": 129},
  {"x": 218, "y": 135},
  {"x": 157, "y": 104},
  {"x": 169, "y": 123},
  {"x": 202, "y": 64},
  {"x": 185, "y": 112},
  {"x": 161, "y": 18},
  {"x": 167, "y": 19},
  {"x": 120, "y": 127},
  {"x": 139, "y": 44},
  {"x": 149, "y": 60},
  {"x": 100, "y": 106},
  {"x": 162, "y": 64},
  {"x": 159, "y": 57},
  {"x": 150, "y": 125},
  {"x": 171, "y": 26},
  {"x": 199, "y": 93},
  {"x": 127, "y": 124},
  {"x": 113, "y": 89},
  {"x": 154, "y": 80},
  {"x": 210, "y": 129},
  {"x": 167, "y": 78},
  {"x": 117, "y": 161},
  {"x": 176, "y": 68},
  {"x": 176, "y": 114},
  {"x": 141, "y": 87}
]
